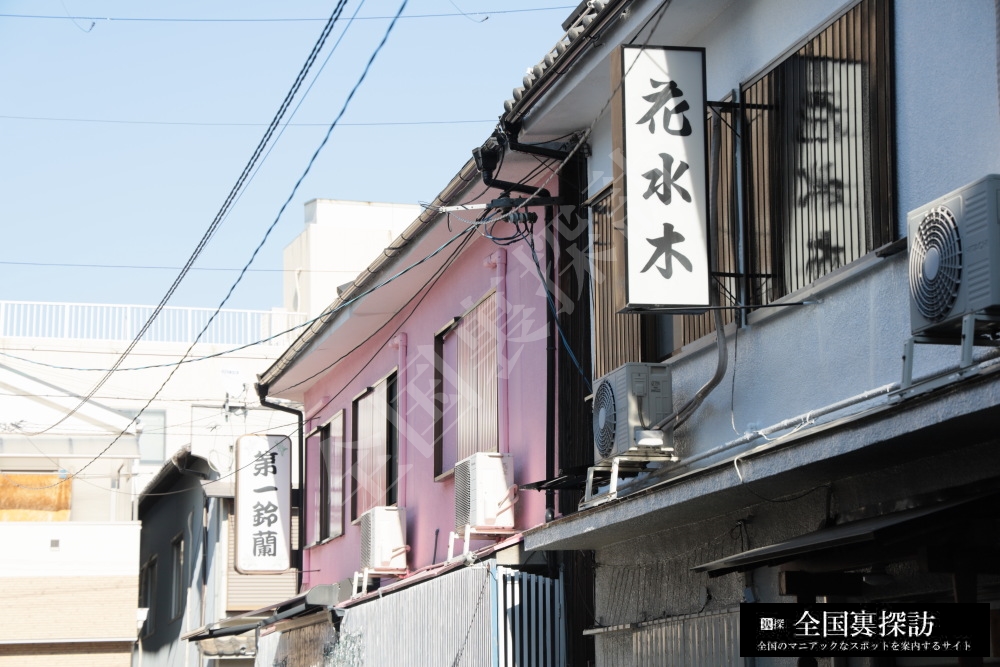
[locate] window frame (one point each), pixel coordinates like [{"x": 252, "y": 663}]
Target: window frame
[
  {"x": 147, "y": 595},
  {"x": 155, "y": 431},
  {"x": 330, "y": 518},
  {"x": 619, "y": 337},
  {"x": 178, "y": 590},
  {"x": 387, "y": 493},
  {"x": 759, "y": 252},
  {"x": 449, "y": 404},
  {"x": 765, "y": 251}
]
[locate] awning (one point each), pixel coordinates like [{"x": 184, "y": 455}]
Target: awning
[
  {"x": 572, "y": 479},
  {"x": 229, "y": 647},
  {"x": 874, "y": 531},
  {"x": 324, "y": 596}
]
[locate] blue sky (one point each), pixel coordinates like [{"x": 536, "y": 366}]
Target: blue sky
[{"x": 124, "y": 126}]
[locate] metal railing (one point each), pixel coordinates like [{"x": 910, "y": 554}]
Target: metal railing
[{"x": 112, "y": 322}]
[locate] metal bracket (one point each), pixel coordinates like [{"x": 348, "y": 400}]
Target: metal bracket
[
  {"x": 967, "y": 341},
  {"x": 503, "y": 202},
  {"x": 619, "y": 467}
]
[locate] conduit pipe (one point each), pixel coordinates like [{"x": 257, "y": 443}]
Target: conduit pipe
[
  {"x": 550, "y": 324},
  {"x": 803, "y": 419},
  {"x": 300, "y": 425},
  {"x": 680, "y": 416},
  {"x": 399, "y": 342},
  {"x": 792, "y": 422},
  {"x": 498, "y": 261}
]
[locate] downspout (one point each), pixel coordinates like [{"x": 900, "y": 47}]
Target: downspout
[
  {"x": 399, "y": 342},
  {"x": 498, "y": 261},
  {"x": 550, "y": 351},
  {"x": 509, "y": 137},
  {"x": 300, "y": 417},
  {"x": 205, "y": 519},
  {"x": 678, "y": 417},
  {"x": 550, "y": 367}
]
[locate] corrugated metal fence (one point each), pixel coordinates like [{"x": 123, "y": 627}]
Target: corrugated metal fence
[
  {"x": 698, "y": 640},
  {"x": 474, "y": 616}
]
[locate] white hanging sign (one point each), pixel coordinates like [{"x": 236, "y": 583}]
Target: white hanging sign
[
  {"x": 663, "y": 140},
  {"x": 263, "y": 504}
]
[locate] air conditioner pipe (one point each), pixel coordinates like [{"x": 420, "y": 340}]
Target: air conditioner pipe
[
  {"x": 300, "y": 417},
  {"x": 680, "y": 416},
  {"x": 550, "y": 322}
]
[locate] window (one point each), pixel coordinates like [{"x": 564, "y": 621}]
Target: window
[
  {"x": 818, "y": 165},
  {"x": 725, "y": 233},
  {"x": 331, "y": 491},
  {"x": 178, "y": 584},
  {"x": 466, "y": 380},
  {"x": 153, "y": 436},
  {"x": 819, "y": 159},
  {"x": 618, "y": 337},
  {"x": 147, "y": 597},
  {"x": 374, "y": 465}
]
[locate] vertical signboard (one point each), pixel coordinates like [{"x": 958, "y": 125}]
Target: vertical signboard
[
  {"x": 263, "y": 504},
  {"x": 659, "y": 118}
]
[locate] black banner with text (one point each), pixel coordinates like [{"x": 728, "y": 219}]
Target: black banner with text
[{"x": 864, "y": 629}]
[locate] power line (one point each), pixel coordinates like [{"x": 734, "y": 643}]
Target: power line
[
  {"x": 204, "y": 124},
  {"x": 267, "y": 233},
  {"x": 223, "y": 212},
  {"x": 233, "y": 269},
  {"x": 280, "y": 20},
  {"x": 425, "y": 288},
  {"x": 188, "y": 360}
]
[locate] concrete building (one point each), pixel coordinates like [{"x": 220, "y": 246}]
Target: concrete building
[
  {"x": 753, "y": 385},
  {"x": 71, "y": 467},
  {"x": 69, "y": 539},
  {"x": 338, "y": 242},
  {"x": 70, "y": 487},
  {"x": 423, "y": 389},
  {"x": 809, "y": 461}
]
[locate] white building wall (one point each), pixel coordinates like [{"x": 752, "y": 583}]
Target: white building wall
[
  {"x": 948, "y": 113},
  {"x": 340, "y": 239}
]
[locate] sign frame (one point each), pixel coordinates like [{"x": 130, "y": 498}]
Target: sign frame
[
  {"x": 651, "y": 176},
  {"x": 263, "y": 504}
]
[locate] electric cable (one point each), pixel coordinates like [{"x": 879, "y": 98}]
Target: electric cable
[
  {"x": 204, "y": 124},
  {"x": 70, "y": 265},
  {"x": 317, "y": 47},
  {"x": 426, "y": 288},
  {"x": 134, "y": 493},
  {"x": 660, "y": 12},
  {"x": 580, "y": 143},
  {"x": 279, "y": 20},
  {"x": 555, "y": 315},
  {"x": 307, "y": 323},
  {"x": 253, "y": 256}
]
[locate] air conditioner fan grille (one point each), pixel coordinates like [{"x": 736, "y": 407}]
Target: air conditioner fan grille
[
  {"x": 604, "y": 418},
  {"x": 936, "y": 264}
]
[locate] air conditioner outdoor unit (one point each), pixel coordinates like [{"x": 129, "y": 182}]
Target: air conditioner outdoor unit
[
  {"x": 954, "y": 252},
  {"x": 633, "y": 396},
  {"x": 485, "y": 493},
  {"x": 383, "y": 540}
]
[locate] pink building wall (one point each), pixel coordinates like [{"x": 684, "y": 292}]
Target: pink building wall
[{"x": 430, "y": 503}]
